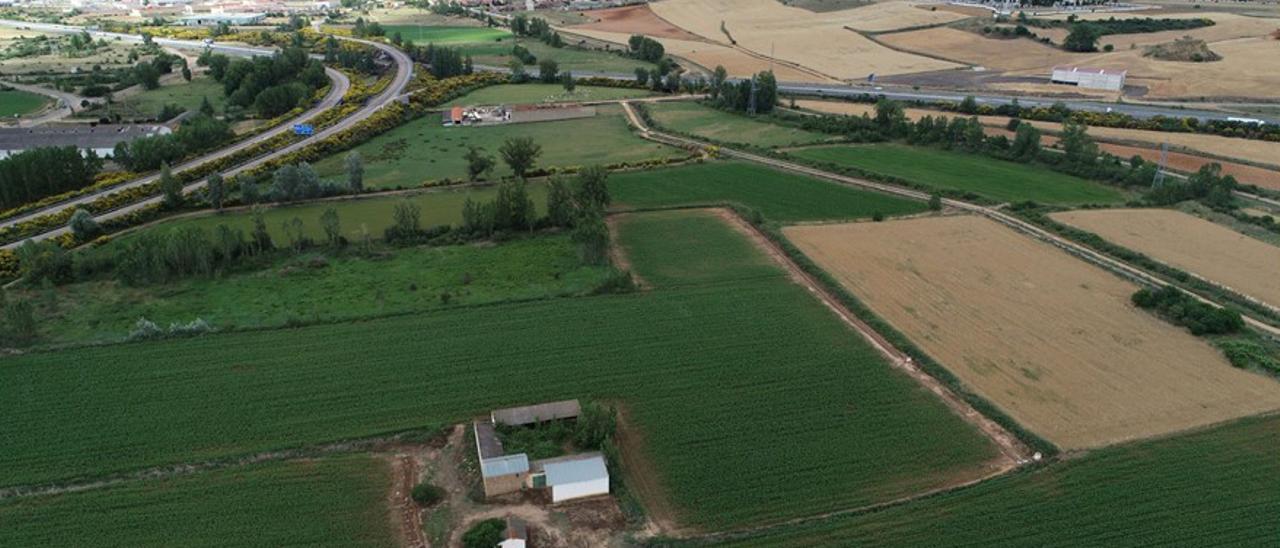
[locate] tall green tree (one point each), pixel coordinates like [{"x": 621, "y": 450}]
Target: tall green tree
[
  {"x": 1082, "y": 38},
  {"x": 592, "y": 190},
  {"x": 1026, "y": 143},
  {"x": 355, "y": 171},
  {"x": 332, "y": 226},
  {"x": 560, "y": 210},
  {"x": 591, "y": 235},
  {"x": 520, "y": 154},
  {"x": 215, "y": 188},
  {"x": 171, "y": 187},
  {"x": 479, "y": 164}
]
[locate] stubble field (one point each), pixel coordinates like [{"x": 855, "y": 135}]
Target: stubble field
[
  {"x": 816, "y": 41},
  {"x": 1217, "y": 253},
  {"x": 1051, "y": 340}
]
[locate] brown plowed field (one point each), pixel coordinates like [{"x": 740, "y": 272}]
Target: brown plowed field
[
  {"x": 1050, "y": 339},
  {"x": 1219, "y": 254},
  {"x": 636, "y": 19}
]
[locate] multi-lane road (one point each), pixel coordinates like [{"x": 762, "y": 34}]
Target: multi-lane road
[{"x": 404, "y": 70}]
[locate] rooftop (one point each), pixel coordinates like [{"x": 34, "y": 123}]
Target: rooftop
[
  {"x": 516, "y": 416},
  {"x": 99, "y": 136},
  {"x": 504, "y": 466},
  {"x": 574, "y": 469},
  {"x": 1069, "y": 68},
  {"x": 516, "y": 528},
  {"x": 487, "y": 441}
]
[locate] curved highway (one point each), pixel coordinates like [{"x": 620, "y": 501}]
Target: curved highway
[{"x": 404, "y": 68}]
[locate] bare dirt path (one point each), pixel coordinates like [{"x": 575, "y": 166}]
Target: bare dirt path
[
  {"x": 405, "y": 512},
  {"x": 1013, "y": 451},
  {"x": 1120, "y": 268}
]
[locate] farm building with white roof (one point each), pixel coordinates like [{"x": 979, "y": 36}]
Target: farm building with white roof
[
  {"x": 1091, "y": 78},
  {"x": 568, "y": 477}
]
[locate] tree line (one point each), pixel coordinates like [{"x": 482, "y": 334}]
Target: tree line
[
  {"x": 198, "y": 133},
  {"x": 37, "y": 173}
]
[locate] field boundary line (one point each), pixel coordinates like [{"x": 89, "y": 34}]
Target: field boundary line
[
  {"x": 1013, "y": 451},
  {"x": 1085, "y": 253},
  {"x": 166, "y": 471}
]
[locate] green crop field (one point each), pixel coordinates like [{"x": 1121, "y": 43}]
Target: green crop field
[
  {"x": 311, "y": 288},
  {"x": 778, "y": 195},
  {"x": 438, "y": 207},
  {"x": 647, "y": 240},
  {"x": 498, "y": 53},
  {"x": 1214, "y": 488},
  {"x": 17, "y": 103},
  {"x": 513, "y": 94},
  {"x": 703, "y": 121},
  {"x": 756, "y": 404},
  {"x": 944, "y": 170},
  {"x": 335, "y": 501},
  {"x": 446, "y": 36},
  {"x": 424, "y": 150}
]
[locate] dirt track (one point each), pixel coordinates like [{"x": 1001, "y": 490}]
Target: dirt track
[{"x": 1053, "y": 341}]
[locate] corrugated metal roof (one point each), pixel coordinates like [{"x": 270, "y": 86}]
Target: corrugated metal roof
[
  {"x": 487, "y": 441},
  {"x": 589, "y": 467},
  {"x": 1068, "y": 68},
  {"x": 504, "y": 466},
  {"x": 529, "y": 414}
]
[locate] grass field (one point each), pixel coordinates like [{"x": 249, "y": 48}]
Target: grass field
[
  {"x": 296, "y": 289},
  {"x": 148, "y": 103},
  {"x": 1218, "y": 487},
  {"x": 1053, "y": 341},
  {"x": 335, "y": 501},
  {"x": 15, "y": 102},
  {"x": 544, "y": 93},
  {"x": 800, "y": 415},
  {"x": 424, "y": 150},
  {"x": 498, "y": 53},
  {"x": 703, "y": 121},
  {"x": 1217, "y": 253},
  {"x": 944, "y": 170},
  {"x": 446, "y": 36},
  {"x": 778, "y": 195},
  {"x": 438, "y": 207}
]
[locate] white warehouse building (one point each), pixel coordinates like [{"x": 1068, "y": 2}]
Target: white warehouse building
[
  {"x": 574, "y": 476},
  {"x": 1091, "y": 78}
]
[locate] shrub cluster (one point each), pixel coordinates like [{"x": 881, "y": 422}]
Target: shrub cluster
[{"x": 1182, "y": 309}]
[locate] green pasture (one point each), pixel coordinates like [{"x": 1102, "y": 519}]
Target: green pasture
[
  {"x": 425, "y": 150},
  {"x": 756, "y": 404},
  {"x": 149, "y": 103},
  {"x": 709, "y": 123},
  {"x": 446, "y": 36},
  {"x": 498, "y": 53},
  {"x": 1219, "y": 487},
  {"x": 442, "y": 206},
  {"x": 945, "y": 170},
  {"x": 321, "y": 286},
  {"x": 334, "y": 501},
  {"x": 778, "y": 195},
  {"x": 15, "y": 102},
  {"x": 519, "y": 94}
]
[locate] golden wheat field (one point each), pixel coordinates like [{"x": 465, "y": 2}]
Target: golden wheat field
[
  {"x": 1051, "y": 340},
  {"x": 818, "y": 41},
  {"x": 1214, "y": 252}
]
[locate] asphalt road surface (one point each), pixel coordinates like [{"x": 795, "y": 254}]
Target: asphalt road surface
[{"x": 404, "y": 68}]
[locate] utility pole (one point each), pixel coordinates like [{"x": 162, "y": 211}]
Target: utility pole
[
  {"x": 751, "y": 103},
  {"x": 1164, "y": 158}
]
